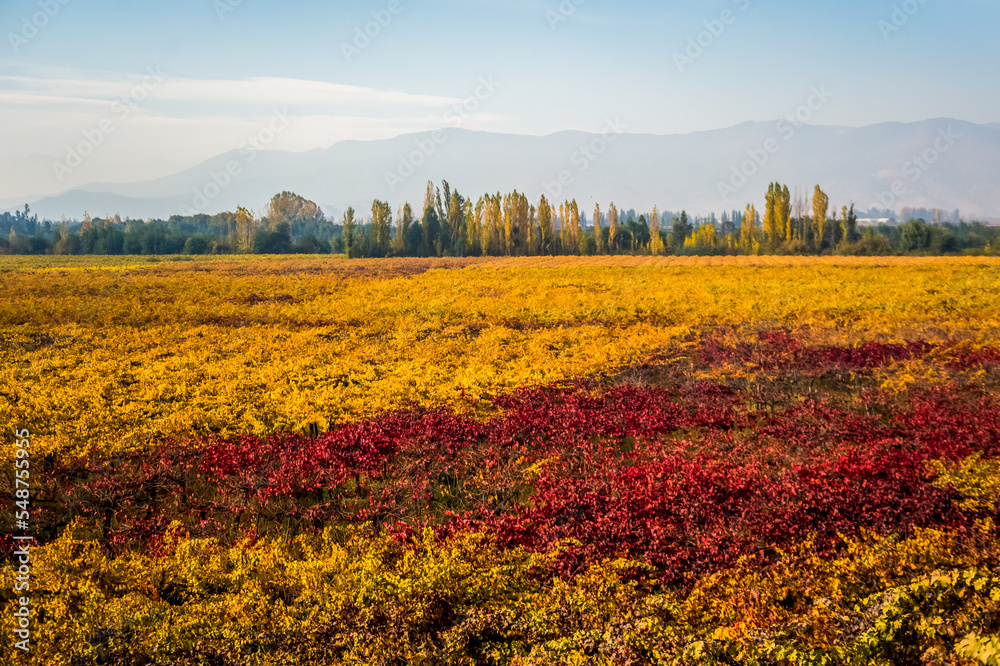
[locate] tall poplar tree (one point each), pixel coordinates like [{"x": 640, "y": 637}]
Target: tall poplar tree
[
  {"x": 545, "y": 230},
  {"x": 681, "y": 230},
  {"x": 428, "y": 198},
  {"x": 821, "y": 204},
  {"x": 785, "y": 213},
  {"x": 473, "y": 218},
  {"x": 612, "y": 228},
  {"x": 579, "y": 238},
  {"x": 508, "y": 224},
  {"x": 655, "y": 240},
  {"x": 349, "y": 226},
  {"x": 851, "y": 233},
  {"x": 381, "y": 226},
  {"x": 771, "y": 216},
  {"x": 456, "y": 224},
  {"x": 748, "y": 240},
  {"x": 522, "y": 222},
  {"x": 407, "y": 229},
  {"x": 532, "y": 230},
  {"x": 598, "y": 234}
]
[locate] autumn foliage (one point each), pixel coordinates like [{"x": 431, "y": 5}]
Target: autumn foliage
[{"x": 745, "y": 492}]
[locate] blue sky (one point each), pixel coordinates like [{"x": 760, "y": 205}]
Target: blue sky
[{"x": 193, "y": 78}]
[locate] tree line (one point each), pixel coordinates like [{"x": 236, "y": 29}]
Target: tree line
[
  {"x": 450, "y": 224},
  {"x": 511, "y": 225}
]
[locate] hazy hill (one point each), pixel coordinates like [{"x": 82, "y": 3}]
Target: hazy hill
[{"x": 634, "y": 171}]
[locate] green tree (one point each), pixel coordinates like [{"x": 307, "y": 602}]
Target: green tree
[
  {"x": 350, "y": 225},
  {"x": 680, "y": 231},
  {"x": 456, "y": 224},
  {"x": 381, "y": 227},
  {"x": 273, "y": 241},
  {"x": 915, "y": 236},
  {"x": 407, "y": 229},
  {"x": 431, "y": 226},
  {"x": 849, "y": 225}
]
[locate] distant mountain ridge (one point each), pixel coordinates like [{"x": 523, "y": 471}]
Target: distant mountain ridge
[{"x": 940, "y": 163}]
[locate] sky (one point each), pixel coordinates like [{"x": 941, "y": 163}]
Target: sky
[{"x": 114, "y": 91}]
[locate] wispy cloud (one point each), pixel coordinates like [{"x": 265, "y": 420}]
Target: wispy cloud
[
  {"x": 180, "y": 122},
  {"x": 90, "y": 87}
]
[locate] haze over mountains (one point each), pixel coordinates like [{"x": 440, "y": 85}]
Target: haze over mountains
[{"x": 941, "y": 163}]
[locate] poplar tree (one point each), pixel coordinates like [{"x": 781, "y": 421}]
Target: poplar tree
[
  {"x": 821, "y": 204},
  {"x": 381, "y": 225},
  {"x": 456, "y": 224},
  {"x": 481, "y": 230},
  {"x": 655, "y": 240},
  {"x": 442, "y": 212},
  {"x": 508, "y": 224},
  {"x": 493, "y": 231},
  {"x": 246, "y": 228},
  {"x": 430, "y": 224},
  {"x": 612, "y": 228},
  {"x": 848, "y": 225},
  {"x": 747, "y": 229},
  {"x": 563, "y": 229},
  {"x": 545, "y": 231},
  {"x": 771, "y": 216},
  {"x": 398, "y": 242},
  {"x": 428, "y": 198},
  {"x": 598, "y": 235},
  {"x": 407, "y": 227},
  {"x": 532, "y": 230},
  {"x": 522, "y": 222},
  {"x": 473, "y": 216},
  {"x": 785, "y": 213},
  {"x": 579, "y": 238},
  {"x": 680, "y": 232}
]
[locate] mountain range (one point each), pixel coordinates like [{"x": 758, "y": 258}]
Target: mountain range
[{"x": 940, "y": 163}]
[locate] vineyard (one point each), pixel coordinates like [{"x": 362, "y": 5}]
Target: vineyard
[{"x": 593, "y": 460}]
